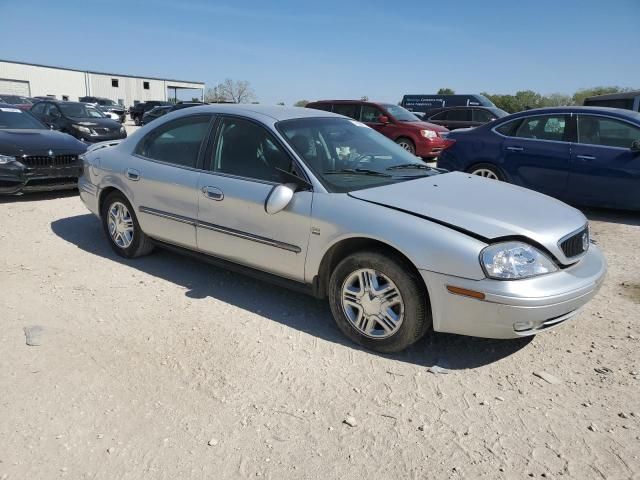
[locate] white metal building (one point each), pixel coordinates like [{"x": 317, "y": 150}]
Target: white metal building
[{"x": 32, "y": 80}]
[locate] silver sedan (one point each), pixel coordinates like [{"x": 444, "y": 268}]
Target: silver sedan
[{"x": 323, "y": 203}]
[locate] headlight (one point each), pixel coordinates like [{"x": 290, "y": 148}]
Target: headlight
[
  {"x": 4, "y": 159},
  {"x": 428, "y": 133},
  {"x": 82, "y": 129},
  {"x": 514, "y": 260}
]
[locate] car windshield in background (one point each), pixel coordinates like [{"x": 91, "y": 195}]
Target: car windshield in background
[
  {"x": 78, "y": 110},
  {"x": 14, "y": 118},
  {"x": 347, "y": 155},
  {"x": 401, "y": 114},
  {"x": 14, "y": 99}
]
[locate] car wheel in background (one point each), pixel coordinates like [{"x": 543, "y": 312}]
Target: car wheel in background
[
  {"x": 378, "y": 302},
  {"x": 136, "y": 120},
  {"x": 122, "y": 229},
  {"x": 407, "y": 144},
  {"x": 486, "y": 170}
]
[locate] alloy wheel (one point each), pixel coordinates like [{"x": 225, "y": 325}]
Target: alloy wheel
[
  {"x": 486, "y": 173},
  {"x": 372, "y": 303},
  {"x": 120, "y": 225}
]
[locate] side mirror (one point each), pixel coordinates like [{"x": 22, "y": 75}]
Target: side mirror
[
  {"x": 383, "y": 119},
  {"x": 635, "y": 146},
  {"x": 278, "y": 199}
]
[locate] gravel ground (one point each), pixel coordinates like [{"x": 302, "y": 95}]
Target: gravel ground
[{"x": 165, "y": 368}]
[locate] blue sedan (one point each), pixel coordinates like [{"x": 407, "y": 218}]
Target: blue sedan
[{"x": 582, "y": 155}]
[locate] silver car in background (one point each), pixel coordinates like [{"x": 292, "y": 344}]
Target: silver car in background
[{"x": 323, "y": 203}]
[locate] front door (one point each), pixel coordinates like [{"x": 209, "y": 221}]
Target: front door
[
  {"x": 165, "y": 169},
  {"x": 246, "y": 164},
  {"x": 604, "y": 170},
  {"x": 537, "y": 154}
]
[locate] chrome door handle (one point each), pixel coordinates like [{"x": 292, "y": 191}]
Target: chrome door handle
[
  {"x": 213, "y": 193},
  {"x": 586, "y": 157},
  {"x": 132, "y": 174},
  {"x": 515, "y": 149}
]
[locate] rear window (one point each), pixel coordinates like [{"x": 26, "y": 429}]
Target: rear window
[{"x": 326, "y": 107}]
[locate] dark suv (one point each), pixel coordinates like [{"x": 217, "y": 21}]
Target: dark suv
[
  {"x": 108, "y": 105},
  {"x": 464, "y": 117},
  {"x": 83, "y": 121},
  {"x": 139, "y": 109},
  {"x": 423, "y": 139}
]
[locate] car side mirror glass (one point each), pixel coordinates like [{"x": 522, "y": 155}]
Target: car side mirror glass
[
  {"x": 383, "y": 119},
  {"x": 635, "y": 146},
  {"x": 279, "y": 198}
]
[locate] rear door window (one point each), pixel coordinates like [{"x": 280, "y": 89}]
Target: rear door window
[
  {"x": 594, "y": 130},
  {"x": 347, "y": 109},
  {"x": 176, "y": 142},
  {"x": 543, "y": 127},
  {"x": 459, "y": 115}
]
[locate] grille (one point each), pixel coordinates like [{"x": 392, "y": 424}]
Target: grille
[
  {"x": 46, "y": 161},
  {"x": 101, "y": 131},
  {"x": 48, "y": 182},
  {"x": 576, "y": 244}
]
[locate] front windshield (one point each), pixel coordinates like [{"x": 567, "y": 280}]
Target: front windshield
[
  {"x": 78, "y": 110},
  {"x": 401, "y": 114},
  {"x": 107, "y": 103},
  {"x": 347, "y": 155},
  {"x": 17, "y": 119}
]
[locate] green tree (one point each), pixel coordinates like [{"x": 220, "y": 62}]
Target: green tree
[
  {"x": 301, "y": 103},
  {"x": 446, "y": 91},
  {"x": 556, "y": 100}
]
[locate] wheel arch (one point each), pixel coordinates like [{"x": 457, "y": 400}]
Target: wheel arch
[
  {"x": 347, "y": 246},
  {"x": 104, "y": 193}
]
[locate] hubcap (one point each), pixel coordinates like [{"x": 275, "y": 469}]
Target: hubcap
[
  {"x": 486, "y": 173},
  {"x": 372, "y": 303},
  {"x": 406, "y": 146},
  {"x": 120, "y": 225}
]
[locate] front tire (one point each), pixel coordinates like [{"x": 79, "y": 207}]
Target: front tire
[
  {"x": 122, "y": 228},
  {"x": 407, "y": 144},
  {"x": 486, "y": 170},
  {"x": 378, "y": 302}
]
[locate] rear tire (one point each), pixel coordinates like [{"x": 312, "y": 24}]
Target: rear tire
[
  {"x": 378, "y": 302},
  {"x": 486, "y": 170},
  {"x": 407, "y": 144},
  {"x": 122, "y": 228}
]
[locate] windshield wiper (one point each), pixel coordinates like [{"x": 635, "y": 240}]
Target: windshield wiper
[
  {"x": 410, "y": 166},
  {"x": 357, "y": 171}
]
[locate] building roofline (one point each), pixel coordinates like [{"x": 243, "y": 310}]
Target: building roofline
[{"x": 99, "y": 73}]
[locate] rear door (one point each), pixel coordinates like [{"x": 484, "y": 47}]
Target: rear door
[
  {"x": 164, "y": 173},
  {"x": 536, "y": 155},
  {"x": 604, "y": 170},
  {"x": 480, "y": 116},
  {"x": 246, "y": 164}
]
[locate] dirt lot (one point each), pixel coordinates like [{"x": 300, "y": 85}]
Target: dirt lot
[{"x": 165, "y": 368}]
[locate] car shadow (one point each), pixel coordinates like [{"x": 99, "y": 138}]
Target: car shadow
[
  {"x": 293, "y": 309},
  {"x": 38, "y": 196},
  {"x": 624, "y": 217}
]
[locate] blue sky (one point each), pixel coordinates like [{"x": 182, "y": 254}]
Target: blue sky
[{"x": 291, "y": 50}]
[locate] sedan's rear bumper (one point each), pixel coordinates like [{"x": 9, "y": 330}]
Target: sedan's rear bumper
[{"x": 515, "y": 308}]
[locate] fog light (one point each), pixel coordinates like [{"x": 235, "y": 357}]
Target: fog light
[{"x": 523, "y": 326}]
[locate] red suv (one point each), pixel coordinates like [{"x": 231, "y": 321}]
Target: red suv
[{"x": 403, "y": 127}]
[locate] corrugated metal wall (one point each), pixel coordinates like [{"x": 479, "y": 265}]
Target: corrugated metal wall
[{"x": 75, "y": 84}]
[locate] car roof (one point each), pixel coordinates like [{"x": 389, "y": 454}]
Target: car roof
[
  {"x": 349, "y": 102},
  {"x": 619, "y": 112},
  {"x": 276, "y": 112}
]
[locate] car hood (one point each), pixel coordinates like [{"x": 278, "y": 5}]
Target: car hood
[
  {"x": 19, "y": 142},
  {"x": 425, "y": 126},
  {"x": 483, "y": 208},
  {"x": 96, "y": 122}
]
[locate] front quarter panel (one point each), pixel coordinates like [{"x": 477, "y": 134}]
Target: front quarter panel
[{"x": 428, "y": 245}]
